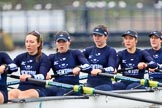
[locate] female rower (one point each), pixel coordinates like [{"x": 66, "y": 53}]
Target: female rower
[
  {"x": 6, "y": 66},
  {"x": 68, "y": 62},
  {"x": 33, "y": 64},
  {"x": 156, "y": 53},
  {"x": 102, "y": 59},
  {"x": 132, "y": 57}
]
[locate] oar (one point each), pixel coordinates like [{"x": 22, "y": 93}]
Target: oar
[
  {"x": 9, "y": 84},
  {"x": 82, "y": 77},
  {"x": 13, "y": 83},
  {"x": 13, "y": 76},
  {"x": 126, "y": 69},
  {"x": 158, "y": 70},
  {"x": 26, "y": 100},
  {"x": 122, "y": 70},
  {"x": 59, "y": 75},
  {"x": 87, "y": 90},
  {"x": 141, "y": 81}
]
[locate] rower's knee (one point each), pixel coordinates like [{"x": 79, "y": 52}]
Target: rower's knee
[{"x": 31, "y": 93}]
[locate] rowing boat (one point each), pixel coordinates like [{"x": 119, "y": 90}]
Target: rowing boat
[
  {"x": 96, "y": 98},
  {"x": 91, "y": 101}
]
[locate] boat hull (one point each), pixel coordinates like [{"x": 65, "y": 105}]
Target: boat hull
[{"x": 95, "y": 101}]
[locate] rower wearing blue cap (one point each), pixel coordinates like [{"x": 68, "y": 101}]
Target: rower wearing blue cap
[
  {"x": 102, "y": 59},
  {"x": 135, "y": 58},
  {"x": 67, "y": 64},
  {"x": 156, "y": 53}
]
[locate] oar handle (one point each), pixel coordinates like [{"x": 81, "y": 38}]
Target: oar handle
[
  {"x": 106, "y": 75},
  {"x": 126, "y": 69},
  {"x": 59, "y": 75},
  {"x": 13, "y": 76},
  {"x": 13, "y": 83},
  {"x": 158, "y": 70},
  {"x": 132, "y": 68}
]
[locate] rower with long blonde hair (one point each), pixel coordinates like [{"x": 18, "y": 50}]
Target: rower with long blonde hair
[{"x": 33, "y": 64}]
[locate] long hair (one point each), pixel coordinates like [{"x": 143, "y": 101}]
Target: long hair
[{"x": 39, "y": 40}]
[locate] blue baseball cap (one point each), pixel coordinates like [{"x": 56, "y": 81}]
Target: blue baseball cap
[
  {"x": 100, "y": 31},
  {"x": 156, "y": 33},
  {"x": 130, "y": 33},
  {"x": 62, "y": 36}
]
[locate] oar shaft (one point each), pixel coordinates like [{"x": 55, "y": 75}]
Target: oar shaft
[
  {"x": 59, "y": 75},
  {"x": 125, "y": 78},
  {"x": 13, "y": 83},
  {"x": 126, "y": 69},
  {"x": 106, "y": 75},
  {"x": 13, "y": 76},
  {"x": 82, "y": 77},
  {"x": 126, "y": 97},
  {"x": 159, "y": 84},
  {"x": 36, "y": 81},
  {"x": 118, "y": 77},
  {"x": 158, "y": 70}
]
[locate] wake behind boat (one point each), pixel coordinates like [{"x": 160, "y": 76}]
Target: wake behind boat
[{"x": 91, "y": 101}]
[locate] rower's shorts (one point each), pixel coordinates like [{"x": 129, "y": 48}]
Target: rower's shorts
[
  {"x": 5, "y": 96},
  {"x": 41, "y": 90},
  {"x": 3, "y": 90}
]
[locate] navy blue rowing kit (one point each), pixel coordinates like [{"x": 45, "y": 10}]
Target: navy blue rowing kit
[
  {"x": 157, "y": 56},
  {"x": 104, "y": 59},
  {"x": 63, "y": 63},
  {"x": 6, "y": 60},
  {"x": 129, "y": 60},
  {"x": 37, "y": 69}
]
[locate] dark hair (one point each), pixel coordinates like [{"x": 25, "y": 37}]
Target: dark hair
[{"x": 39, "y": 40}]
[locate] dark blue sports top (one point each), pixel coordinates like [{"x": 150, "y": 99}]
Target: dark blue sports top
[
  {"x": 5, "y": 59},
  {"x": 63, "y": 63},
  {"x": 29, "y": 65},
  {"x": 157, "y": 56},
  {"x": 128, "y": 60},
  {"x": 101, "y": 58}
]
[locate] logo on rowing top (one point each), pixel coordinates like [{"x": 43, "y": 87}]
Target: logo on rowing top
[
  {"x": 63, "y": 65},
  {"x": 123, "y": 61},
  {"x": 28, "y": 67},
  {"x": 156, "y": 56}
]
